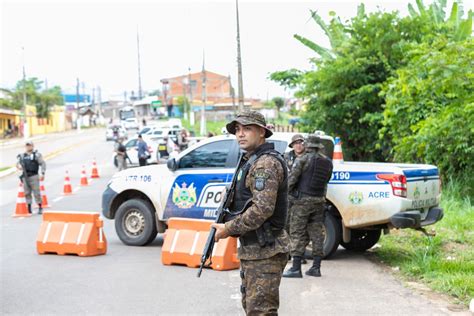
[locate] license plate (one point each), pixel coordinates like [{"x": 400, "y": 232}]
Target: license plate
[
  {"x": 423, "y": 203},
  {"x": 162, "y": 147}
]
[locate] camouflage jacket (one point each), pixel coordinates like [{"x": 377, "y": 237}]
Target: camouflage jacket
[{"x": 263, "y": 205}]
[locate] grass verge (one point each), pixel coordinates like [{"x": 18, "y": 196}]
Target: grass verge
[
  {"x": 214, "y": 127},
  {"x": 444, "y": 262}
]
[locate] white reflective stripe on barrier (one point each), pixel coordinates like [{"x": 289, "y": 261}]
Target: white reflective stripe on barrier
[
  {"x": 175, "y": 240},
  {"x": 48, "y": 228},
  {"x": 81, "y": 232},
  {"x": 63, "y": 234},
  {"x": 193, "y": 248}
]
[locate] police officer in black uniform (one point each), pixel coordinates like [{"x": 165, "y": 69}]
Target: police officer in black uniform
[{"x": 29, "y": 164}]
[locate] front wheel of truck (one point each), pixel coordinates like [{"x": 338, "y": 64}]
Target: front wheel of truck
[
  {"x": 135, "y": 223},
  {"x": 362, "y": 239}
]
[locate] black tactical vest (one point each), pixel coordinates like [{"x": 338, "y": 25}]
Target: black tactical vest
[
  {"x": 314, "y": 179},
  {"x": 31, "y": 164},
  {"x": 243, "y": 196}
]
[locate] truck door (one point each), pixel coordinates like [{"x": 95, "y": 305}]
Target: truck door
[{"x": 200, "y": 180}]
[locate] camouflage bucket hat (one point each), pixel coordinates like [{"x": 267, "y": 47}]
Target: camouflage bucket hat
[
  {"x": 249, "y": 118},
  {"x": 313, "y": 141},
  {"x": 295, "y": 138}
]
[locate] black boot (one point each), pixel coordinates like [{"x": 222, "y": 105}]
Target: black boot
[
  {"x": 29, "y": 208},
  {"x": 315, "y": 270},
  {"x": 295, "y": 270},
  {"x": 40, "y": 209}
]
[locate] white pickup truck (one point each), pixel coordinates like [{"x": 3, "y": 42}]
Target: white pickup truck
[{"x": 362, "y": 198}]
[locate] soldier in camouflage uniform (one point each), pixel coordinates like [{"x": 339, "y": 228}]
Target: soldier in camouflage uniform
[
  {"x": 298, "y": 149},
  {"x": 257, "y": 215},
  {"x": 308, "y": 181},
  {"x": 297, "y": 145}
]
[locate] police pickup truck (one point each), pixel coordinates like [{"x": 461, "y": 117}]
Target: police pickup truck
[{"x": 363, "y": 199}]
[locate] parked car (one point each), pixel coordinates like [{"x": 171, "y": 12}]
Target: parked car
[
  {"x": 130, "y": 123},
  {"x": 115, "y": 131}
]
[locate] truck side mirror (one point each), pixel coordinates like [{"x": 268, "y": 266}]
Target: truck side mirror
[{"x": 172, "y": 164}]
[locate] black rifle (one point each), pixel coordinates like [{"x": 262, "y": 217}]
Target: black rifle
[
  {"x": 221, "y": 212},
  {"x": 23, "y": 175}
]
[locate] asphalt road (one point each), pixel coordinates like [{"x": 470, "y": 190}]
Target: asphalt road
[{"x": 132, "y": 280}]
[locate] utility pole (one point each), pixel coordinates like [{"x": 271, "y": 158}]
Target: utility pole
[
  {"x": 239, "y": 63},
  {"x": 190, "y": 94},
  {"x": 78, "y": 122},
  {"x": 26, "y": 132},
  {"x": 139, "y": 72},
  {"x": 99, "y": 100},
  {"x": 204, "y": 98},
  {"x": 232, "y": 94}
]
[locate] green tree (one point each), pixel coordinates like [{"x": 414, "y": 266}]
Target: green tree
[
  {"x": 181, "y": 102},
  {"x": 430, "y": 107},
  {"x": 43, "y": 100},
  {"x": 279, "y": 103},
  {"x": 343, "y": 93}
]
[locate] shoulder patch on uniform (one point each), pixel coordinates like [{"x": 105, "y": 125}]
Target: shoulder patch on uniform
[{"x": 260, "y": 177}]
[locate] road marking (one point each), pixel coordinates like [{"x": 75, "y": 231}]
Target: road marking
[
  {"x": 77, "y": 189},
  {"x": 58, "y": 198}
]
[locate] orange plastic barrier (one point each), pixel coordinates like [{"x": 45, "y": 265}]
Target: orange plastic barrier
[
  {"x": 184, "y": 244},
  {"x": 44, "y": 198},
  {"x": 95, "y": 172},
  {"x": 21, "y": 210},
  {"x": 337, "y": 154},
  {"x": 67, "y": 185},
  {"x": 84, "y": 181},
  {"x": 71, "y": 233}
]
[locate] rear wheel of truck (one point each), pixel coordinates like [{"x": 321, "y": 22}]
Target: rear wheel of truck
[
  {"x": 362, "y": 239},
  {"x": 135, "y": 223},
  {"x": 333, "y": 233}
]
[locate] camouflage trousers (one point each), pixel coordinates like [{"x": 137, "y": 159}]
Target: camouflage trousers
[
  {"x": 261, "y": 284},
  {"x": 32, "y": 185},
  {"x": 288, "y": 219},
  {"x": 307, "y": 217}
]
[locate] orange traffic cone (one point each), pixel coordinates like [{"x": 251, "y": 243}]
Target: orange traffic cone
[
  {"x": 44, "y": 198},
  {"x": 67, "y": 184},
  {"x": 21, "y": 209},
  {"x": 84, "y": 181},
  {"x": 95, "y": 172},
  {"x": 337, "y": 154}
]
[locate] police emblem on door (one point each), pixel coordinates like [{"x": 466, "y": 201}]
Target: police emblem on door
[{"x": 184, "y": 196}]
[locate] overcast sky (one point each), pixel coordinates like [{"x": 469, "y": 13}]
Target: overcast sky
[{"x": 95, "y": 40}]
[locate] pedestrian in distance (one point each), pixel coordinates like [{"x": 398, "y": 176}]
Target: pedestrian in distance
[
  {"x": 257, "y": 215},
  {"x": 121, "y": 152},
  {"x": 143, "y": 151},
  {"x": 29, "y": 163},
  {"x": 307, "y": 183},
  {"x": 183, "y": 139}
]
